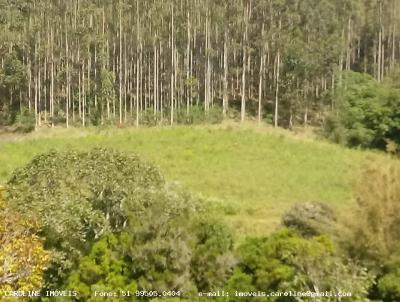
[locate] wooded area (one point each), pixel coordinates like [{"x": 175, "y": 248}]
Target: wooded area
[{"x": 106, "y": 61}]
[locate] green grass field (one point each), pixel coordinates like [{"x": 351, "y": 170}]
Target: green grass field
[{"x": 252, "y": 174}]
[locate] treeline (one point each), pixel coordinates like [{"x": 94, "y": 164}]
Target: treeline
[{"x": 107, "y": 61}]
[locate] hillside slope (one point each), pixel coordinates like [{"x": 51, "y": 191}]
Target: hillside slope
[{"x": 253, "y": 175}]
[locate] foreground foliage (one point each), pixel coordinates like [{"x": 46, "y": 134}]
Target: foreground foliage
[
  {"x": 388, "y": 288},
  {"x": 109, "y": 219},
  {"x": 285, "y": 261},
  {"x": 22, "y": 255},
  {"x": 111, "y": 223}
]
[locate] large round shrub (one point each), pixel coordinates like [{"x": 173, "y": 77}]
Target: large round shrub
[
  {"x": 310, "y": 219},
  {"x": 78, "y": 196}
]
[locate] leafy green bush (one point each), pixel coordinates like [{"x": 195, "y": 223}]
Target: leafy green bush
[
  {"x": 285, "y": 261},
  {"x": 165, "y": 246},
  {"x": 173, "y": 246},
  {"x": 197, "y": 116},
  {"x": 389, "y": 282},
  {"x": 367, "y": 112},
  {"x": 310, "y": 218},
  {"x": 5, "y": 117},
  {"x": 25, "y": 121},
  {"x": 214, "y": 115},
  {"x": 149, "y": 118},
  {"x": 103, "y": 269},
  {"x": 335, "y": 131},
  {"x": 213, "y": 260},
  {"x": 158, "y": 246}
]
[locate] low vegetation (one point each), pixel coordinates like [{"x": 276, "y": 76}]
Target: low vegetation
[{"x": 110, "y": 222}]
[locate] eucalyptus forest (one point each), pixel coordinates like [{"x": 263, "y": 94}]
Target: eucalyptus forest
[
  {"x": 102, "y": 62},
  {"x": 200, "y": 150}
]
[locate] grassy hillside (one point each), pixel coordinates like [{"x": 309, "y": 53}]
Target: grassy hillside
[{"x": 252, "y": 174}]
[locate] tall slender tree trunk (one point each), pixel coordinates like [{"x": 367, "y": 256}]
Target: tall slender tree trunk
[
  {"x": 52, "y": 81},
  {"x": 155, "y": 79},
  {"x": 277, "y": 89},
  {"x": 83, "y": 95},
  {"x": 225, "y": 91},
  {"x": 380, "y": 43},
  {"x": 243, "y": 103},
  {"x": 260, "y": 84},
  {"x": 260, "y": 87},
  {"x": 120, "y": 65},
  {"x": 172, "y": 96},
  {"x": 137, "y": 62},
  {"x": 207, "y": 85},
  {"x": 188, "y": 84}
]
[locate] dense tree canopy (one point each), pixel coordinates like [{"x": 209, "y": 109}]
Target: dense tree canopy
[{"x": 117, "y": 61}]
